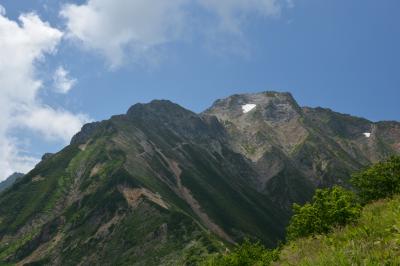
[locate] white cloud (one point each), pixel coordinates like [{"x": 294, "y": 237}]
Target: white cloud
[
  {"x": 123, "y": 30},
  {"x": 124, "y": 27},
  {"x": 63, "y": 83},
  {"x": 52, "y": 124},
  {"x": 22, "y": 46},
  {"x": 16, "y": 162}
]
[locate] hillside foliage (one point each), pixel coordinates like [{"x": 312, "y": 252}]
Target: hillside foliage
[
  {"x": 329, "y": 208},
  {"x": 374, "y": 240},
  {"x": 246, "y": 254},
  {"x": 378, "y": 181},
  {"x": 333, "y": 229}
]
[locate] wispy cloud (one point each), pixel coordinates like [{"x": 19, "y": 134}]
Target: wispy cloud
[
  {"x": 63, "y": 83},
  {"x": 232, "y": 14}
]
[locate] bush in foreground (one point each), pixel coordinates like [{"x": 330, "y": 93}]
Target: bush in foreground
[
  {"x": 246, "y": 254},
  {"x": 329, "y": 208},
  {"x": 374, "y": 240},
  {"x": 379, "y": 181}
]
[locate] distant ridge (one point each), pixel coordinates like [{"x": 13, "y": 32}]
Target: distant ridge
[{"x": 9, "y": 181}]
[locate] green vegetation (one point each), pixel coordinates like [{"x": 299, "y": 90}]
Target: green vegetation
[
  {"x": 375, "y": 240},
  {"x": 328, "y": 209},
  {"x": 11, "y": 248},
  {"x": 246, "y": 254},
  {"x": 36, "y": 193},
  {"x": 379, "y": 181},
  {"x": 334, "y": 230}
]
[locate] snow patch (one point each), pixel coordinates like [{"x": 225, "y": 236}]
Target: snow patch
[
  {"x": 367, "y": 135},
  {"x": 248, "y": 107}
]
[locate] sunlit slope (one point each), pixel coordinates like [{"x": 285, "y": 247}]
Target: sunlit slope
[{"x": 374, "y": 240}]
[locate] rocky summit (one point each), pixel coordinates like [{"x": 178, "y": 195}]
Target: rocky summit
[{"x": 161, "y": 185}]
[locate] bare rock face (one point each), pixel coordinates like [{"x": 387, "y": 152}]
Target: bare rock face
[
  {"x": 273, "y": 121},
  {"x": 273, "y": 107}
]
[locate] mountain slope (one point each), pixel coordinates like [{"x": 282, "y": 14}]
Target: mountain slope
[
  {"x": 162, "y": 185},
  {"x": 158, "y": 173},
  {"x": 373, "y": 240},
  {"x": 295, "y": 149}
]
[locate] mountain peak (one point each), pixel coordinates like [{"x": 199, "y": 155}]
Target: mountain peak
[
  {"x": 171, "y": 116},
  {"x": 273, "y": 106},
  {"x": 160, "y": 111},
  {"x": 163, "y": 107},
  {"x": 260, "y": 97}
]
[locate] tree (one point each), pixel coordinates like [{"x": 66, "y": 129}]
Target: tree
[
  {"x": 379, "y": 181},
  {"x": 329, "y": 208}
]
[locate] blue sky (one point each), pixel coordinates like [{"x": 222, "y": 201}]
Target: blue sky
[{"x": 110, "y": 54}]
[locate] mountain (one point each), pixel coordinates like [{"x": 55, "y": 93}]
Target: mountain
[
  {"x": 9, "y": 181},
  {"x": 161, "y": 185}
]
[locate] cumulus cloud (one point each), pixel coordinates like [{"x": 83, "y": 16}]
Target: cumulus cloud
[
  {"x": 63, "y": 83},
  {"x": 52, "y": 124},
  {"x": 122, "y": 30},
  {"x": 26, "y": 43},
  {"x": 124, "y": 27}
]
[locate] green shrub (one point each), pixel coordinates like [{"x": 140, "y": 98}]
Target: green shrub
[
  {"x": 379, "y": 181},
  {"x": 329, "y": 208},
  {"x": 373, "y": 241},
  {"x": 247, "y": 254}
]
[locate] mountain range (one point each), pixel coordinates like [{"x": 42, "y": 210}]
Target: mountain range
[{"x": 162, "y": 185}]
